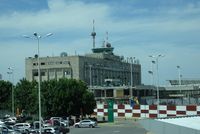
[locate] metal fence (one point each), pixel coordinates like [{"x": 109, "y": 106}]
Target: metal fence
[{"x": 178, "y": 101}]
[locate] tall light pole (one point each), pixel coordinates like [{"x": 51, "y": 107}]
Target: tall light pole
[
  {"x": 131, "y": 64},
  {"x": 179, "y": 76},
  {"x": 90, "y": 66},
  {"x": 157, "y": 82},
  {"x": 38, "y": 37},
  {"x": 11, "y": 71},
  {"x": 151, "y": 72}
]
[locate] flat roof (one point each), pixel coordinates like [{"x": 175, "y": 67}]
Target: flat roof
[{"x": 189, "y": 122}]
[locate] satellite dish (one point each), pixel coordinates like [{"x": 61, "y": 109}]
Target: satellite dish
[{"x": 63, "y": 54}]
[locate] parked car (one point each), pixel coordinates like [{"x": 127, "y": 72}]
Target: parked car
[
  {"x": 22, "y": 127},
  {"x": 6, "y": 130},
  {"x": 86, "y": 123},
  {"x": 1, "y": 123},
  {"x": 49, "y": 130},
  {"x": 58, "y": 121},
  {"x": 9, "y": 121},
  {"x": 33, "y": 131}
]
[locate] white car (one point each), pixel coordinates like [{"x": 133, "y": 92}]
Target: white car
[
  {"x": 1, "y": 123},
  {"x": 6, "y": 130},
  {"x": 48, "y": 130},
  {"x": 9, "y": 121},
  {"x": 86, "y": 123},
  {"x": 22, "y": 127}
]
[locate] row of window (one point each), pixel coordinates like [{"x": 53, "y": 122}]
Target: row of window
[
  {"x": 52, "y": 63},
  {"x": 67, "y": 72}
]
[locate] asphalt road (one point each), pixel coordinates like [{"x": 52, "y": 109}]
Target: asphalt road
[{"x": 119, "y": 127}]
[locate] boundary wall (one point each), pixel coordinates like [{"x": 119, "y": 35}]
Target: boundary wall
[{"x": 147, "y": 111}]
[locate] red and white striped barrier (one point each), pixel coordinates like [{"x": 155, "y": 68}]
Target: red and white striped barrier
[{"x": 148, "y": 111}]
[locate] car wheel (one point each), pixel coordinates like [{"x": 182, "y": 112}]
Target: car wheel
[
  {"x": 76, "y": 126},
  {"x": 90, "y": 126}
]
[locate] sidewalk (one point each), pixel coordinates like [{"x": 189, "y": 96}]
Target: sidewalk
[{"x": 123, "y": 122}]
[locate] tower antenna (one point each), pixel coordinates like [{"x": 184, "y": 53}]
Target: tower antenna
[
  {"x": 93, "y": 34},
  {"x": 106, "y": 37}
]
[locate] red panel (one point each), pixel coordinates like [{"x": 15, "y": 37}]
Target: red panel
[
  {"x": 144, "y": 111},
  {"x": 121, "y": 114},
  {"x": 121, "y": 106},
  {"x": 152, "y": 107},
  {"x": 105, "y": 114},
  {"x": 181, "y": 112},
  {"x": 152, "y": 115},
  {"x": 162, "y": 111},
  {"x": 171, "y": 107},
  {"x": 100, "y": 110},
  {"x": 136, "y": 115},
  {"x": 191, "y": 108},
  {"x": 128, "y": 111},
  {"x": 136, "y": 107},
  {"x": 105, "y": 106}
]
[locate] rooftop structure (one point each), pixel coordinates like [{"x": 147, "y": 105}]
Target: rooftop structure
[
  {"x": 94, "y": 68},
  {"x": 185, "y": 82}
]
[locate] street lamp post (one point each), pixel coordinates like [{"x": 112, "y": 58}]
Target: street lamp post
[
  {"x": 90, "y": 67},
  {"x": 157, "y": 82},
  {"x": 151, "y": 73},
  {"x": 38, "y": 37},
  {"x": 131, "y": 63},
  {"x": 179, "y": 76},
  {"x": 11, "y": 71}
]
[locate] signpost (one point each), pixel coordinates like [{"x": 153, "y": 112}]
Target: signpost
[{"x": 110, "y": 110}]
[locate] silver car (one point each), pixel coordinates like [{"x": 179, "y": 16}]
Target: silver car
[{"x": 86, "y": 123}]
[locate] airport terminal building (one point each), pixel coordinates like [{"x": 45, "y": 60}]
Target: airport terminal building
[{"x": 100, "y": 68}]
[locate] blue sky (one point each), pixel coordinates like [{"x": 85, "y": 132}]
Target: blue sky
[{"x": 137, "y": 28}]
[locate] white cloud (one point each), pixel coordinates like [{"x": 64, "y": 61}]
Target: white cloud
[{"x": 161, "y": 32}]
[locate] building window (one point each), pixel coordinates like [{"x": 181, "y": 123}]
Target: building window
[
  {"x": 35, "y": 73},
  {"x": 67, "y": 72},
  {"x": 57, "y": 62},
  {"x": 42, "y": 73},
  {"x": 65, "y": 62},
  {"x": 42, "y": 63},
  {"x": 51, "y": 63}
]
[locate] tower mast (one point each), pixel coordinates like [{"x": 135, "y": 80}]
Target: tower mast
[{"x": 93, "y": 34}]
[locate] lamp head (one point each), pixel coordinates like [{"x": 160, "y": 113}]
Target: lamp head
[{"x": 35, "y": 34}]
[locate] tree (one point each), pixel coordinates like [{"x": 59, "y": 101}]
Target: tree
[
  {"x": 58, "y": 98},
  {"x": 26, "y": 96},
  {"x": 5, "y": 95},
  {"x": 66, "y": 97},
  {"x": 90, "y": 102}
]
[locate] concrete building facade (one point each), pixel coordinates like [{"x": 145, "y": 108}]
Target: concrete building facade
[{"x": 96, "y": 69}]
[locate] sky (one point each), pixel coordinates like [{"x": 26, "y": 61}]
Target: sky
[{"x": 136, "y": 28}]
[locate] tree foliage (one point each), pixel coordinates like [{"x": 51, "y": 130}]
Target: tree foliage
[
  {"x": 66, "y": 97},
  {"x": 58, "y": 98},
  {"x": 5, "y": 95},
  {"x": 26, "y": 96}
]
